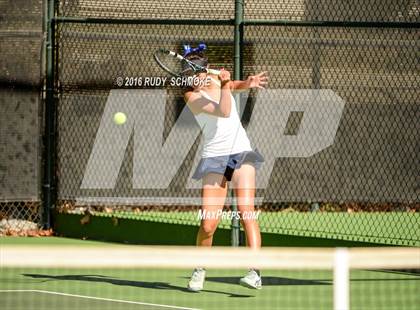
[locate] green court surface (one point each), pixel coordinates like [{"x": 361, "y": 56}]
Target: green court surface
[
  {"x": 50, "y": 241},
  {"x": 146, "y": 288},
  {"x": 400, "y": 228},
  {"x": 160, "y": 289}
]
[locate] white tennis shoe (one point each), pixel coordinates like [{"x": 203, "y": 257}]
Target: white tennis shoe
[
  {"x": 197, "y": 280},
  {"x": 251, "y": 280}
]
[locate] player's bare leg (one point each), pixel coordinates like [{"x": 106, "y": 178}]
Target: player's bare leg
[
  {"x": 243, "y": 181},
  {"x": 213, "y": 199}
]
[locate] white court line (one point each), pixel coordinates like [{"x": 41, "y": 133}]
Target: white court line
[{"x": 98, "y": 298}]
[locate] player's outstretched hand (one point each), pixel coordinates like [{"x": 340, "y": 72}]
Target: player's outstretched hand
[{"x": 258, "y": 81}]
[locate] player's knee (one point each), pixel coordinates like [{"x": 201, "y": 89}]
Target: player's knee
[{"x": 208, "y": 228}]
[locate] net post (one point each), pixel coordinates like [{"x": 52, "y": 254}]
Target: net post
[
  {"x": 237, "y": 75},
  {"x": 341, "y": 279},
  {"x": 48, "y": 186}
]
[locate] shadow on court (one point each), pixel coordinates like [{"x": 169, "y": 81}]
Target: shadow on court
[
  {"x": 410, "y": 272},
  {"x": 273, "y": 281},
  {"x": 140, "y": 284},
  {"x": 268, "y": 281}
]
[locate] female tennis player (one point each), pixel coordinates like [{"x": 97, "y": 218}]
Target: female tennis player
[{"x": 227, "y": 156}]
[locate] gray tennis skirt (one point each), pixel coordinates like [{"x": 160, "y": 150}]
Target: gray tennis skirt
[{"x": 227, "y": 164}]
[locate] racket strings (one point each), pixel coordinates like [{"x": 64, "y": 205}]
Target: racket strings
[{"x": 176, "y": 65}]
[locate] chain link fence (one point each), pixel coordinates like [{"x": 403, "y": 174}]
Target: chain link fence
[
  {"x": 21, "y": 43},
  {"x": 362, "y": 187},
  {"x": 330, "y": 10}
]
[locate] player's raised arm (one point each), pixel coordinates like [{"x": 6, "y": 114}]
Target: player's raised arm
[
  {"x": 253, "y": 81},
  {"x": 202, "y": 104}
]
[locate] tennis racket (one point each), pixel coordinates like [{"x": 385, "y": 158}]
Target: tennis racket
[{"x": 178, "y": 66}]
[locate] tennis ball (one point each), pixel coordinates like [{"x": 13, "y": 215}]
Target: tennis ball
[{"x": 120, "y": 118}]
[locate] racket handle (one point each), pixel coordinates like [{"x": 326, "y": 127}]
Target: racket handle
[{"x": 213, "y": 71}]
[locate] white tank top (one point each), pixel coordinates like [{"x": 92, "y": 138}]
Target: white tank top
[{"x": 222, "y": 135}]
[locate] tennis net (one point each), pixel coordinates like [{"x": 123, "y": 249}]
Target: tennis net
[{"x": 138, "y": 277}]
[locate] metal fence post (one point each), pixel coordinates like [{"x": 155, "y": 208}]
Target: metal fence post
[
  {"x": 48, "y": 186},
  {"x": 237, "y": 75}
]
